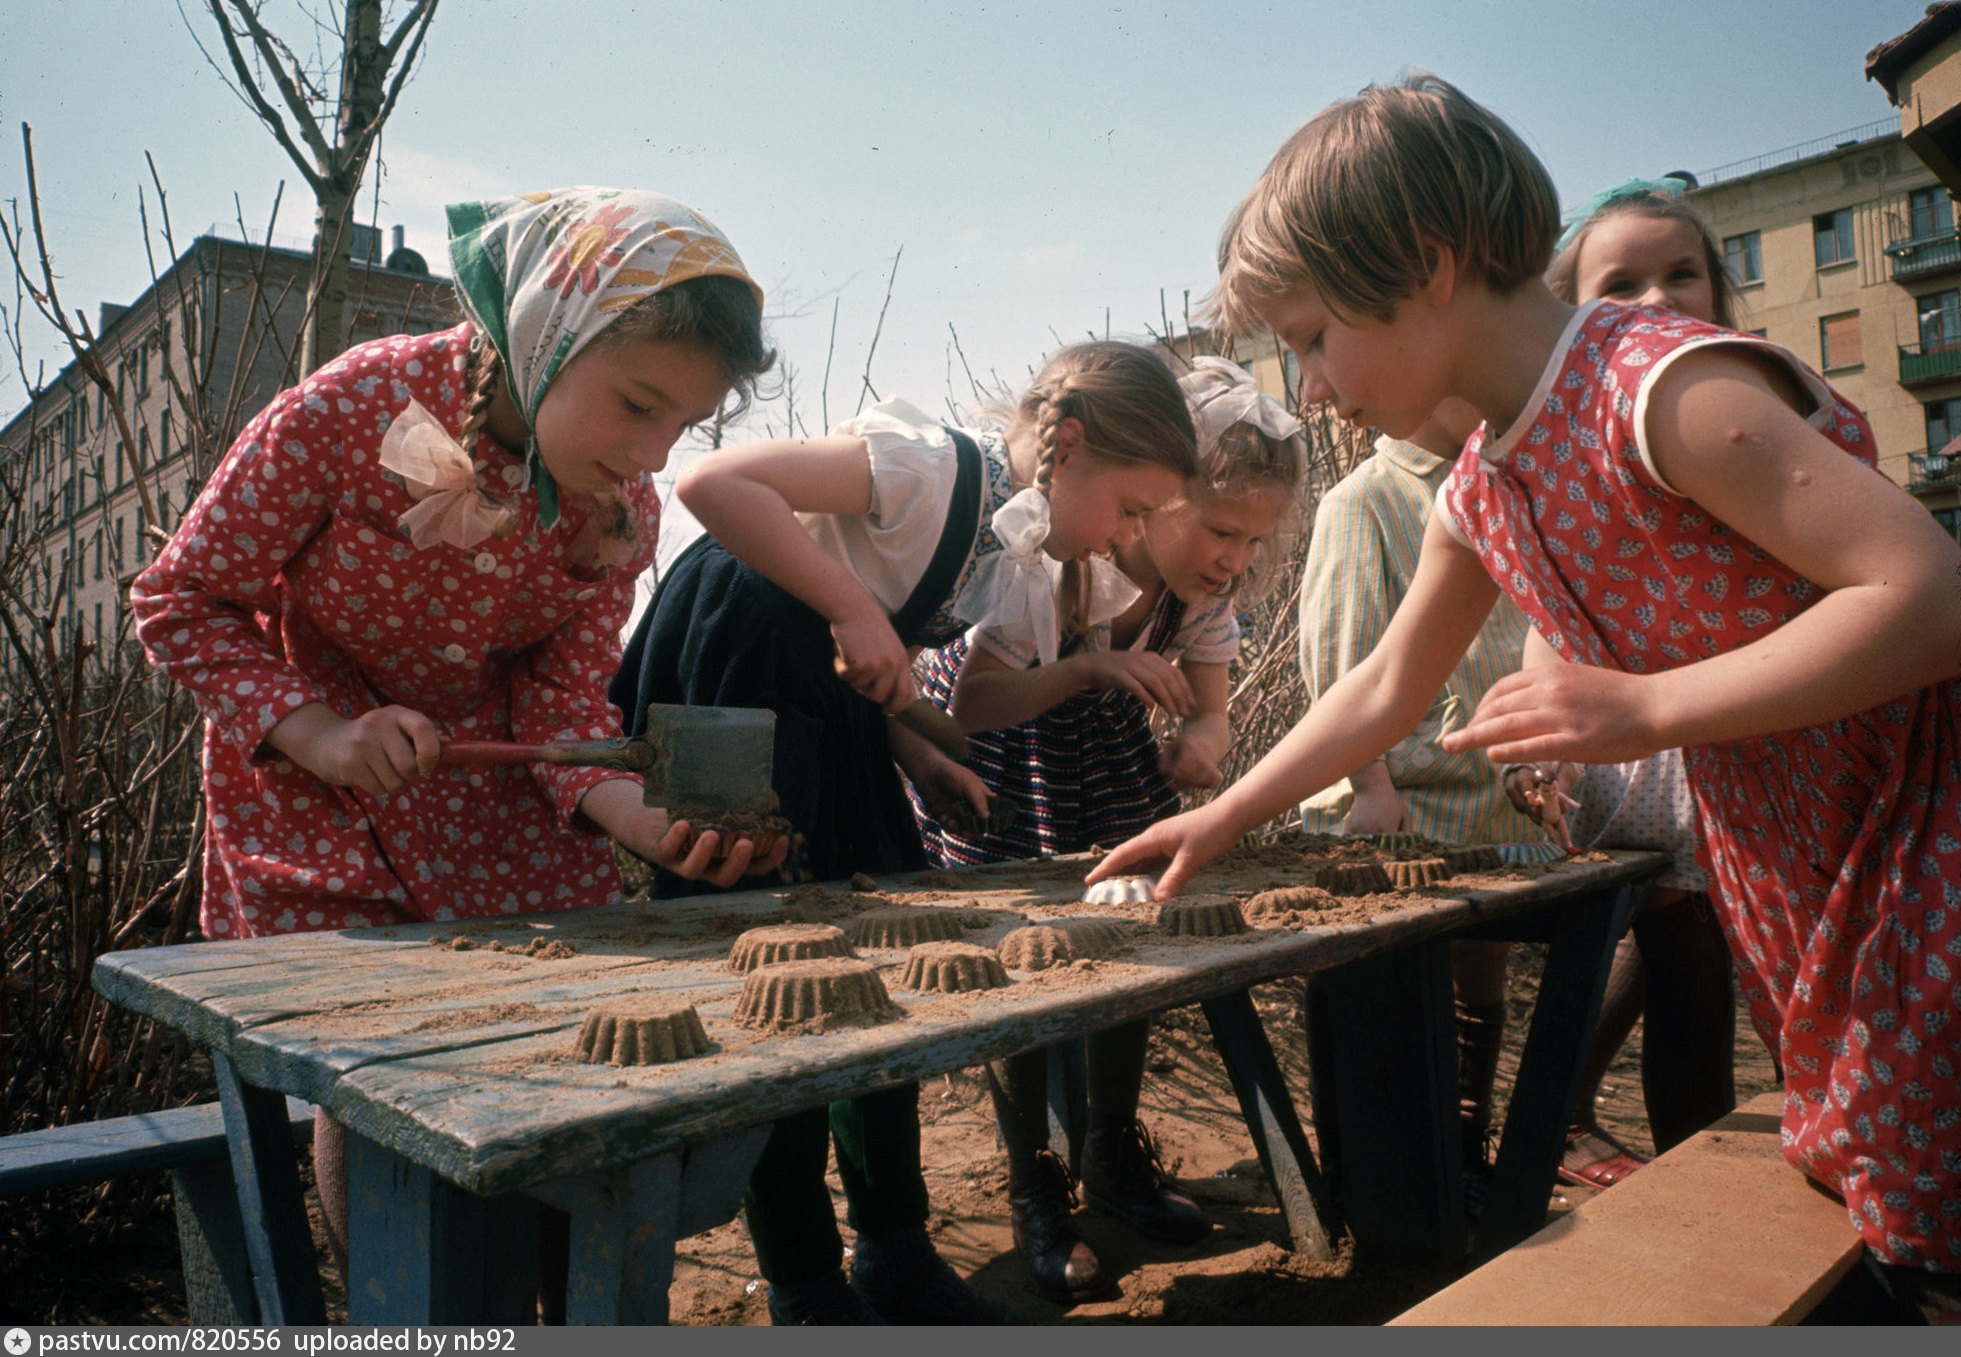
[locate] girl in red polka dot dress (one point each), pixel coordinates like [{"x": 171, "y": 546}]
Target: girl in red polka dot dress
[
  {"x": 1693, "y": 517},
  {"x": 433, "y": 538}
]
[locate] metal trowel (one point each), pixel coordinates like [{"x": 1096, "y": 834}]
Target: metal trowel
[{"x": 717, "y": 759}]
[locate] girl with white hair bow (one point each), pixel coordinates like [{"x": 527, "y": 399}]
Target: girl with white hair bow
[{"x": 1068, "y": 740}]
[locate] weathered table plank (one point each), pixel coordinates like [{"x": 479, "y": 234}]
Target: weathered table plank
[{"x": 485, "y": 1104}]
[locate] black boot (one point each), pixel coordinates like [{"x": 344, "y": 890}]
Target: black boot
[
  {"x": 903, "y": 1277},
  {"x": 1060, "y": 1265},
  {"x": 1123, "y": 1174},
  {"x": 828, "y": 1300}
]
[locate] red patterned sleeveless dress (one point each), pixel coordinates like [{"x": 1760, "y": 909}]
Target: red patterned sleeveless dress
[{"x": 1835, "y": 850}]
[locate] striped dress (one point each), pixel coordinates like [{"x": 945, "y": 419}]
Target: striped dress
[
  {"x": 1085, "y": 772},
  {"x": 1368, "y": 531}
]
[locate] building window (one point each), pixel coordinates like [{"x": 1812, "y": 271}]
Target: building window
[
  {"x": 1831, "y": 237},
  {"x": 1940, "y": 321},
  {"x": 143, "y": 368},
  {"x": 1951, "y": 520},
  {"x": 1839, "y": 343},
  {"x": 1744, "y": 256},
  {"x": 164, "y": 449},
  {"x": 1943, "y": 423},
  {"x": 1930, "y": 213},
  {"x": 98, "y": 558}
]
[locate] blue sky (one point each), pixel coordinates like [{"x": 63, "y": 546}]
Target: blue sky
[{"x": 1038, "y": 163}]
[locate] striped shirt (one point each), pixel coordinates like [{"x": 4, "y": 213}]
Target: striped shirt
[{"x": 1368, "y": 531}]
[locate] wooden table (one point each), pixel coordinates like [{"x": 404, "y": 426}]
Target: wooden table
[{"x": 452, "y": 1070}]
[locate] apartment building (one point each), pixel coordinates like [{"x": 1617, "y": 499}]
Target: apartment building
[
  {"x": 191, "y": 361},
  {"x": 1847, "y": 252}
]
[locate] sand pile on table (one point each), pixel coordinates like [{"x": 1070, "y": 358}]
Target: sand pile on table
[
  {"x": 640, "y": 1030},
  {"x": 787, "y": 942},
  {"x": 1039, "y": 946},
  {"x": 795, "y": 993},
  {"x": 952, "y": 968},
  {"x": 906, "y": 925},
  {"x": 1201, "y": 916},
  {"x": 1417, "y": 872}
]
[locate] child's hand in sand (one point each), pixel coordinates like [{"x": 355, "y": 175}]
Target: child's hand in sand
[
  {"x": 648, "y": 832},
  {"x": 1187, "y": 842}
]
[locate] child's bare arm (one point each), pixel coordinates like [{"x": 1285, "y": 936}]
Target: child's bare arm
[
  {"x": 1723, "y": 433},
  {"x": 1192, "y": 759},
  {"x": 749, "y": 496},
  {"x": 991, "y": 694},
  {"x": 1356, "y": 720}
]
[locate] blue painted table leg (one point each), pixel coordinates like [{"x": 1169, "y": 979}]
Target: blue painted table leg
[
  {"x": 1578, "y": 955},
  {"x": 272, "y": 1208},
  {"x": 1270, "y": 1118},
  {"x": 625, "y": 1223},
  {"x": 421, "y": 1250}
]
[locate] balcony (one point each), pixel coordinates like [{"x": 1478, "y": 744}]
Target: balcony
[
  {"x": 1935, "y": 362},
  {"x": 1932, "y": 468},
  {"x": 1925, "y": 256}
]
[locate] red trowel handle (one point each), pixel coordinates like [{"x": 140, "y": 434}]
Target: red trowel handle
[
  {"x": 627, "y": 755},
  {"x": 492, "y": 751}
]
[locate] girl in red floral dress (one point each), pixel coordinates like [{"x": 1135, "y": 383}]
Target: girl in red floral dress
[
  {"x": 1694, "y": 518},
  {"x": 434, "y": 538}
]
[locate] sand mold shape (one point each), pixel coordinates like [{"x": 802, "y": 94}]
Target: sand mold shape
[
  {"x": 1475, "y": 858},
  {"x": 1289, "y": 903},
  {"x": 1121, "y": 890},
  {"x": 640, "y": 1031},
  {"x": 1201, "y": 916},
  {"x": 1354, "y": 878},
  {"x": 795, "y": 993},
  {"x": 952, "y": 968},
  {"x": 1039, "y": 946},
  {"x": 1417, "y": 872},
  {"x": 906, "y": 925},
  {"x": 787, "y": 942}
]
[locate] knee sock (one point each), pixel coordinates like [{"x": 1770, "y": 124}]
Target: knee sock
[
  {"x": 1019, "y": 1086},
  {"x": 1116, "y": 1075}
]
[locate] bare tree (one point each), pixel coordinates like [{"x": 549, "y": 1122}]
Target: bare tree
[{"x": 327, "y": 116}]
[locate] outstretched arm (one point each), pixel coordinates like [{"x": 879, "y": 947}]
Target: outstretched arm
[
  {"x": 1723, "y": 431},
  {"x": 749, "y": 497},
  {"x": 1355, "y": 721}
]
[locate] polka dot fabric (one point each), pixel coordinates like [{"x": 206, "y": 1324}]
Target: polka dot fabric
[
  {"x": 290, "y": 581},
  {"x": 1835, "y": 851}
]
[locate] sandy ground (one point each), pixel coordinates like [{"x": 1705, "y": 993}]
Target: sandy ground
[{"x": 109, "y": 1255}]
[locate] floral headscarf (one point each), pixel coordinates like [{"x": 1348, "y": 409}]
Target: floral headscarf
[{"x": 542, "y": 273}]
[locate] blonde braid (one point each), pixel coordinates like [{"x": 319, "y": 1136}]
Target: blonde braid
[
  {"x": 486, "y": 373},
  {"x": 1062, "y": 401}
]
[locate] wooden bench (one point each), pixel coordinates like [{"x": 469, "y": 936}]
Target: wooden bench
[
  {"x": 1719, "y": 1230},
  {"x": 188, "y": 1142}
]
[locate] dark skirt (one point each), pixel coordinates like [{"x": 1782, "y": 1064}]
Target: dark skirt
[
  {"x": 719, "y": 634},
  {"x": 1083, "y": 773}
]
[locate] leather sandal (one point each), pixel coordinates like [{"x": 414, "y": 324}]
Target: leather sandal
[
  {"x": 1595, "y": 1159},
  {"x": 1060, "y": 1264}
]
